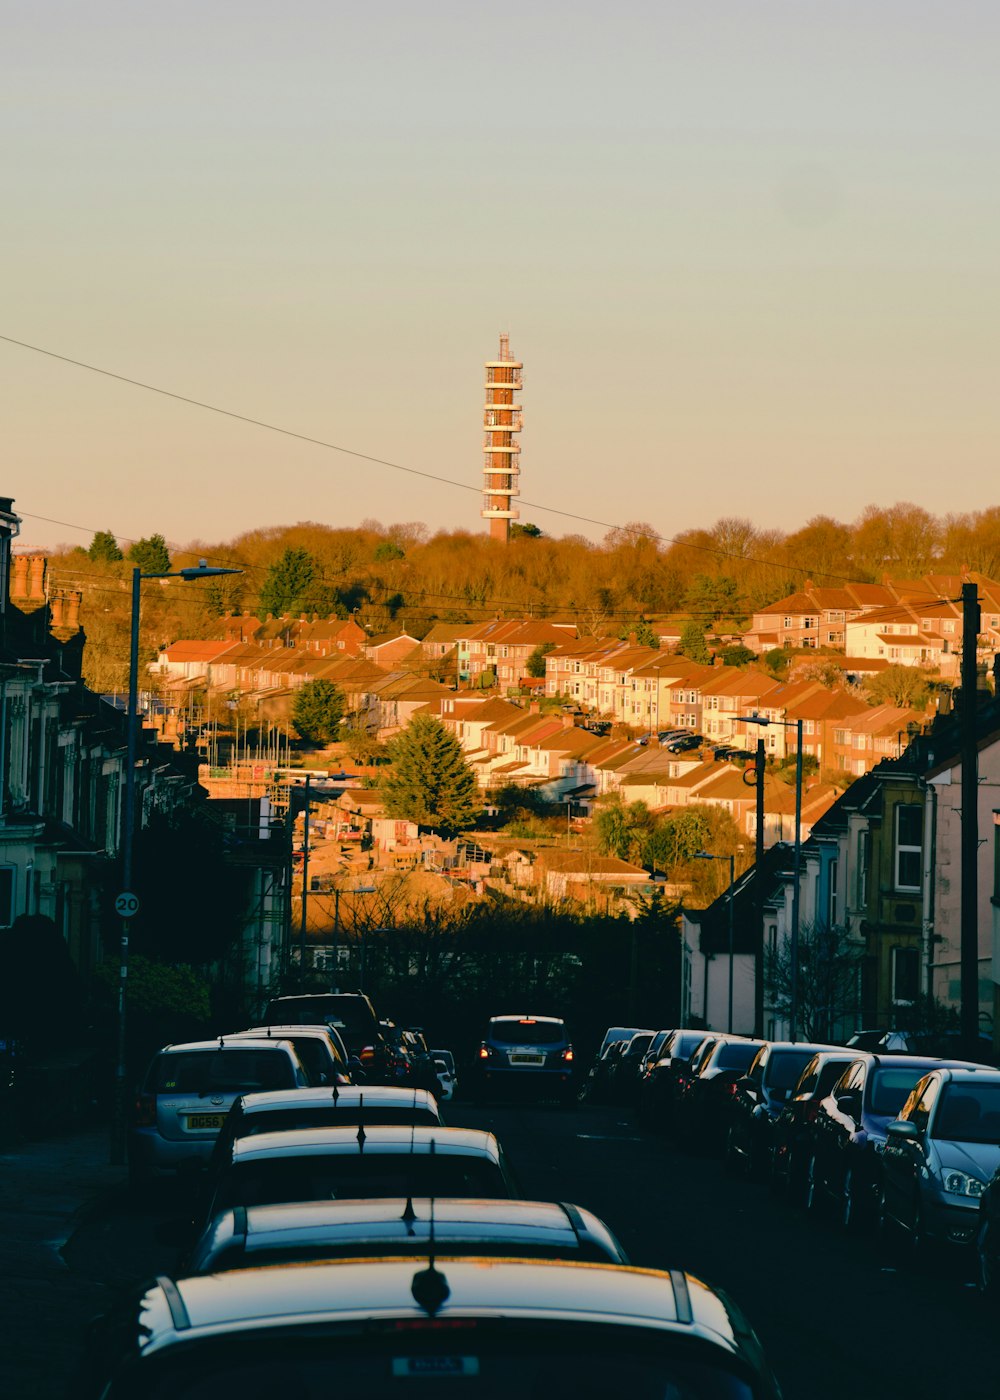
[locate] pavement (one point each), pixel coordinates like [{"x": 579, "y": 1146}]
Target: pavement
[{"x": 48, "y": 1187}]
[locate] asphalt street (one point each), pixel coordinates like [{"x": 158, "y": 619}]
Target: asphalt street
[{"x": 836, "y": 1316}]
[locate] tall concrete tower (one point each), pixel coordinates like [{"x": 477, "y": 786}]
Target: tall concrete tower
[{"x": 501, "y": 450}]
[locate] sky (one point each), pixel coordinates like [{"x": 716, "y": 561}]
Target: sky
[{"x": 746, "y": 249}]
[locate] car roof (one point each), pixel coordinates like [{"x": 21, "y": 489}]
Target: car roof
[
  {"x": 406, "y": 1225},
  {"x": 225, "y": 1043},
  {"x": 374, "y": 1096},
  {"x": 966, "y": 1074},
  {"x": 316, "y": 1295},
  {"x": 284, "y": 1032},
  {"x": 527, "y": 1016},
  {"x": 374, "y": 1141}
]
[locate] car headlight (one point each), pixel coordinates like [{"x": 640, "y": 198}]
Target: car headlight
[{"x": 959, "y": 1184}]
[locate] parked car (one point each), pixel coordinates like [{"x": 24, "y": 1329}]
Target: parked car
[
  {"x": 703, "y": 1107},
  {"x": 372, "y": 1105},
  {"x": 447, "y": 1074},
  {"x": 624, "y": 1072},
  {"x": 187, "y": 1092},
  {"x": 659, "y": 1087},
  {"x": 350, "y": 1013},
  {"x": 988, "y": 1239},
  {"x": 596, "y": 1086},
  {"x": 410, "y": 1061},
  {"x": 684, "y": 743},
  {"x": 939, "y": 1155},
  {"x": 495, "y": 1327},
  {"x": 757, "y": 1100},
  {"x": 615, "y": 1033},
  {"x": 791, "y": 1132},
  {"x": 317, "y": 1230},
  {"x": 652, "y": 1053},
  {"x": 316, "y": 1164},
  {"x": 526, "y": 1052},
  {"x": 320, "y": 1048},
  {"x": 849, "y": 1132}
]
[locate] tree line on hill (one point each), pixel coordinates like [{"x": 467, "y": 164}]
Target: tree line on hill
[{"x": 404, "y": 577}]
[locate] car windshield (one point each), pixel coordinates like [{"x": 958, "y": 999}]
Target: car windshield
[
  {"x": 784, "y": 1068},
  {"x": 682, "y": 1044},
  {"x": 736, "y": 1054},
  {"x": 526, "y": 1031},
  {"x": 969, "y": 1113},
  {"x": 228, "y": 1071},
  {"x": 333, "y": 1116},
  {"x": 480, "y": 1360},
  {"x": 891, "y": 1088},
  {"x": 638, "y": 1044},
  {"x": 342, "y": 1177}
]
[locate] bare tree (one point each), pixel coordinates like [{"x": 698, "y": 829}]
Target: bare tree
[{"x": 827, "y": 982}]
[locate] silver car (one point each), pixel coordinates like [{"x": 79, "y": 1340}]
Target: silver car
[
  {"x": 483, "y": 1328},
  {"x": 313, "y": 1230},
  {"x": 320, "y": 1048},
  {"x": 187, "y": 1093},
  {"x": 939, "y": 1155}
]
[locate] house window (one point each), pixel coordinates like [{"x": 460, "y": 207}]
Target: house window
[
  {"x": 948, "y": 626},
  {"x": 909, "y": 831},
  {"x": 833, "y": 911},
  {"x": 788, "y": 622},
  {"x": 862, "y": 869},
  {"x": 7, "y": 890},
  {"x": 905, "y": 976}
]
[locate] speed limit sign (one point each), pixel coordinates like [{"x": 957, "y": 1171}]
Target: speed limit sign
[{"x": 127, "y": 905}]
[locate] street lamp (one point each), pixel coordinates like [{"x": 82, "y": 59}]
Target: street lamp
[
  {"x": 126, "y": 903},
  {"x": 707, "y": 855},
  {"x": 793, "y": 996}
]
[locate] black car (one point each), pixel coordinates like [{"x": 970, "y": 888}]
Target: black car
[
  {"x": 624, "y": 1079},
  {"x": 792, "y": 1129},
  {"x": 526, "y": 1052},
  {"x": 659, "y": 1086},
  {"x": 684, "y": 743},
  {"x": 351, "y": 1013},
  {"x": 757, "y": 1101},
  {"x": 849, "y": 1132},
  {"x": 703, "y": 1108}
]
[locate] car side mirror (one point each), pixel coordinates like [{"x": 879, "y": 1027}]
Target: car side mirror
[
  {"x": 903, "y": 1130},
  {"x": 847, "y": 1104},
  {"x": 746, "y": 1085}
]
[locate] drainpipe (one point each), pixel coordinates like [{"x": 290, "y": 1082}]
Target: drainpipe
[{"x": 930, "y": 882}]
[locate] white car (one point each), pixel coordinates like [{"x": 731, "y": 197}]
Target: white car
[{"x": 444, "y": 1066}]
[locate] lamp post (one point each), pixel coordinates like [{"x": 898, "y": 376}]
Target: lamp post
[
  {"x": 793, "y": 977},
  {"x": 126, "y": 903},
  {"x": 707, "y": 855}
]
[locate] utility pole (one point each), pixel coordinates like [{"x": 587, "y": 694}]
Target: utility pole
[
  {"x": 969, "y": 984},
  {"x": 758, "y": 951},
  {"x": 305, "y": 886}
]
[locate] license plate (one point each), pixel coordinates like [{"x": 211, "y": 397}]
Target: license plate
[
  {"x": 206, "y": 1120},
  {"x": 435, "y": 1366},
  {"x": 527, "y": 1059}
]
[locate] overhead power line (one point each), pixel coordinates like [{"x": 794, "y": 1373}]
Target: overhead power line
[{"x": 793, "y": 569}]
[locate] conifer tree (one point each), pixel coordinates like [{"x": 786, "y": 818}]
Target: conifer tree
[
  {"x": 317, "y": 711},
  {"x": 429, "y": 781}
]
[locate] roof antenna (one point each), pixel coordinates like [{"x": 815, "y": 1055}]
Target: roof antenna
[
  {"x": 409, "y": 1214},
  {"x": 336, "y": 1094},
  {"x": 430, "y": 1287},
  {"x": 361, "y": 1122},
  {"x": 222, "y": 1043}
]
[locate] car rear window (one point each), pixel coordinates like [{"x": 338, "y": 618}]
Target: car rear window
[
  {"x": 682, "y": 1045},
  {"x": 328, "y": 1116},
  {"x": 351, "y": 1013},
  {"x": 315, "y": 1178},
  {"x": 228, "y": 1071},
  {"x": 891, "y": 1087},
  {"x": 784, "y": 1068},
  {"x": 527, "y": 1032}
]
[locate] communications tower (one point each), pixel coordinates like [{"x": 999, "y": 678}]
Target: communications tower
[{"x": 501, "y": 450}]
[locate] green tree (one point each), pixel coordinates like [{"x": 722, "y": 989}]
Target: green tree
[
  {"x": 429, "y": 781},
  {"x": 388, "y": 551},
  {"x": 151, "y": 555},
  {"x": 776, "y": 661},
  {"x": 643, "y": 633},
  {"x": 623, "y": 830},
  {"x": 104, "y": 548},
  {"x": 294, "y": 584},
  {"x": 905, "y": 686},
  {"x": 535, "y": 664},
  {"x": 317, "y": 710},
  {"x": 737, "y": 656},
  {"x": 692, "y": 643},
  {"x": 528, "y": 530}
]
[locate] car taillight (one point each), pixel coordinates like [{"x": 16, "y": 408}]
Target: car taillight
[
  {"x": 367, "y": 1054},
  {"x": 567, "y": 1054},
  {"x": 484, "y": 1054},
  {"x": 732, "y": 1090},
  {"x": 145, "y": 1111}
]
